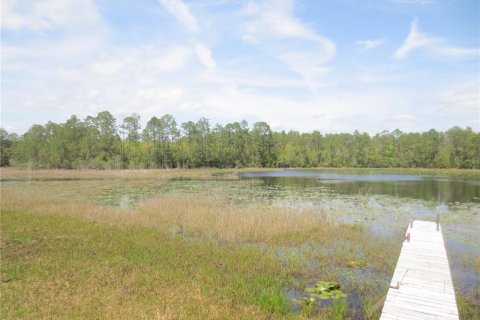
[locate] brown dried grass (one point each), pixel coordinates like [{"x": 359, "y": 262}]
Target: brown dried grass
[{"x": 187, "y": 215}]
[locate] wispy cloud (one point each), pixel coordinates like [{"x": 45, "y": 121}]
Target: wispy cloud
[
  {"x": 432, "y": 45},
  {"x": 370, "y": 43},
  {"x": 184, "y": 16},
  {"x": 169, "y": 59},
  {"x": 275, "y": 18},
  {"x": 414, "y": 40},
  {"x": 273, "y": 27},
  {"x": 462, "y": 100},
  {"x": 204, "y": 54},
  {"x": 182, "y": 13},
  {"x": 47, "y": 15},
  {"x": 264, "y": 60}
]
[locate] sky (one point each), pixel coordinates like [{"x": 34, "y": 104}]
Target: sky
[{"x": 329, "y": 65}]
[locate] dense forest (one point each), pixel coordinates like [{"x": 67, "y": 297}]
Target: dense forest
[{"x": 99, "y": 142}]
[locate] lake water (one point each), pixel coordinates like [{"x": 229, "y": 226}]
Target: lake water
[
  {"x": 379, "y": 200},
  {"x": 438, "y": 190},
  {"x": 385, "y": 202}
]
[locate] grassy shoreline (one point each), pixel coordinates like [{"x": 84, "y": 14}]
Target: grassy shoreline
[
  {"x": 250, "y": 258},
  {"x": 65, "y": 267},
  {"x": 12, "y": 172}
]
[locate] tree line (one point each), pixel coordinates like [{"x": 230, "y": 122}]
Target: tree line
[{"x": 99, "y": 142}]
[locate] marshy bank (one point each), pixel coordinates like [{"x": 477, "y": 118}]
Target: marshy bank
[{"x": 213, "y": 244}]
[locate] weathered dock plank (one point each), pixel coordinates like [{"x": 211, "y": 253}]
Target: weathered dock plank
[{"x": 425, "y": 289}]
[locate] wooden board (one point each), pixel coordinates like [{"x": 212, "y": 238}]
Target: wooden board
[{"x": 426, "y": 290}]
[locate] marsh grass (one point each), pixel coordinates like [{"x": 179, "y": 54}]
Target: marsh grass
[
  {"x": 64, "y": 267},
  {"x": 193, "y": 221},
  {"x": 124, "y": 174},
  {"x": 185, "y": 215},
  {"x": 177, "y": 256},
  {"x": 469, "y": 304},
  {"x": 210, "y": 173}
]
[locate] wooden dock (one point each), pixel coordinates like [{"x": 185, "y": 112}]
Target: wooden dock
[{"x": 421, "y": 286}]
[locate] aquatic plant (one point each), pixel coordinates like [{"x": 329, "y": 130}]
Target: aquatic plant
[
  {"x": 322, "y": 290},
  {"x": 325, "y": 290}
]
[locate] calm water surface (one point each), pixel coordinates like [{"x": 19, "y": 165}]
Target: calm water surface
[
  {"x": 439, "y": 190},
  {"x": 385, "y": 202}
]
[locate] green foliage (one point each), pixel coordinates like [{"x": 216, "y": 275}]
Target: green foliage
[
  {"x": 339, "y": 309},
  {"x": 96, "y": 142},
  {"x": 6, "y": 143},
  {"x": 308, "y": 305},
  {"x": 323, "y": 290},
  {"x": 101, "y": 271}
]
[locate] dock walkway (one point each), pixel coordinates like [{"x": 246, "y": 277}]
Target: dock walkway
[{"x": 421, "y": 286}]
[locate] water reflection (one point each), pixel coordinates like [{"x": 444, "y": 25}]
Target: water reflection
[{"x": 441, "y": 191}]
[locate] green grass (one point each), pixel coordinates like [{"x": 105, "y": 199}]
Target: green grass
[
  {"x": 63, "y": 267},
  {"x": 469, "y": 304},
  {"x": 64, "y": 256}
]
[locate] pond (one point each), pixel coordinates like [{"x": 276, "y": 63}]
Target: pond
[
  {"x": 439, "y": 190},
  {"x": 377, "y": 199},
  {"x": 384, "y": 202}
]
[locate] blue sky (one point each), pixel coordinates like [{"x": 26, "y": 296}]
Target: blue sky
[{"x": 330, "y": 65}]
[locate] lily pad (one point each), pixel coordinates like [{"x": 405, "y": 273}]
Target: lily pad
[{"x": 325, "y": 290}]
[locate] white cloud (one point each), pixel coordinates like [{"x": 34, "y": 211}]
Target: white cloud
[
  {"x": 182, "y": 13},
  {"x": 275, "y": 18},
  {"x": 465, "y": 100},
  {"x": 68, "y": 74},
  {"x": 107, "y": 68},
  {"x": 204, "y": 55},
  {"x": 282, "y": 60},
  {"x": 414, "y": 40},
  {"x": 165, "y": 94},
  {"x": 369, "y": 44},
  {"x": 169, "y": 59},
  {"x": 404, "y": 119},
  {"x": 272, "y": 26},
  {"x": 46, "y": 15},
  {"x": 381, "y": 75},
  {"x": 308, "y": 64},
  {"x": 334, "y": 112},
  {"x": 431, "y": 45}
]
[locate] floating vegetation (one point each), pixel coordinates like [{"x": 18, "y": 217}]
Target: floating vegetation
[{"x": 323, "y": 290}]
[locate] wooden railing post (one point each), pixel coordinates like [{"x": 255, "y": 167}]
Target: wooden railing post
[
  {"x": 397, "y": 286},
  {"x": 438, "y": 222}
]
